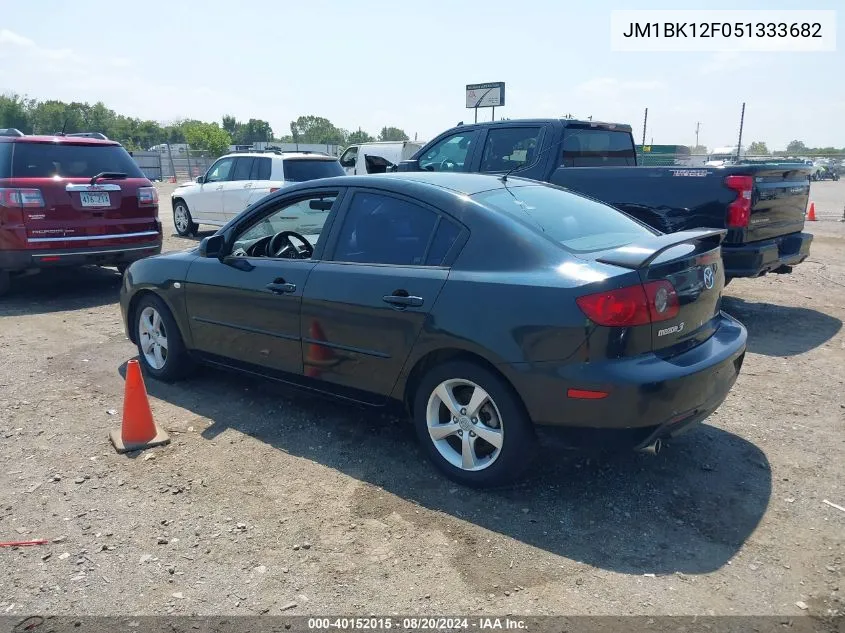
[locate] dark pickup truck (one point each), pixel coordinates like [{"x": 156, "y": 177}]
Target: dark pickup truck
[{"x": 762, "y": 206}]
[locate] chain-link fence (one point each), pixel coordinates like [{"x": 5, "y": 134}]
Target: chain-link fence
[{"x": 164, "y": 165}]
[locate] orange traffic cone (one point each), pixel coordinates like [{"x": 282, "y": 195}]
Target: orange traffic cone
[
  {"x": 811, "y": 216},
  {"x": 318, "y": 356},
  {"x": 138, "y": 431}
]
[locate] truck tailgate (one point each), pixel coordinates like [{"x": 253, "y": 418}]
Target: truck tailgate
[{"x": 778, "y": 202}]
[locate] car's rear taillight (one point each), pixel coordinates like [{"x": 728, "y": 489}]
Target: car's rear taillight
[
  {"x": 147, "y": 197},
  {"x": 15, "y": 198},
  {"x": 739, "y": 211},
  {"x": 273, "y": 189},
  {"x": 634, "y": 305}
]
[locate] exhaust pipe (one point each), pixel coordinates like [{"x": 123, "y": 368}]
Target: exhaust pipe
[{"x": 653, "y": 448}]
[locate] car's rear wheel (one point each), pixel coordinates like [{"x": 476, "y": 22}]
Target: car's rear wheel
[
  {"x": 182, "y": 220},
  {"x": 472, "y": 425},
  {"x": 160, "y": 346}
]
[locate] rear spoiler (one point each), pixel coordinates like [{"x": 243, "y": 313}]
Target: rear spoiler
[{"x": 641, "y": 254}]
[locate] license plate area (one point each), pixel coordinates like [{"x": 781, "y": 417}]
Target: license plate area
[{"x": 95, "y": 200}]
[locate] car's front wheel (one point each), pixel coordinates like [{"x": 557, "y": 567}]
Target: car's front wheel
[
  {"x": 472, "y": 425},
  {"x": 160, "y": 346},
  {"x": 182, "y": 220}
]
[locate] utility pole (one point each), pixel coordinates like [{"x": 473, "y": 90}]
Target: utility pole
[
  {"x": 645, "y": 124},
  {"x": 741, "y": 123},
  {"x": 697, "y": 125}
]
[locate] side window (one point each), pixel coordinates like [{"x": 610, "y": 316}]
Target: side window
[
  {"x": 260, "y": 169},
  {"x": 349, "y": 157},
  {"x": 508, "y": 148},
  {"x": 445, "y": 235},
  {"x": 5, "y": 160},
  {"x": 306, "y": 216},
  {"x": 381, "y": 229},
  {"x": 450, "y": 154},
  {"x": 220, "y": 170},
  {"x": 597, "y": 148},
  {"x": 243, "y": 166}
]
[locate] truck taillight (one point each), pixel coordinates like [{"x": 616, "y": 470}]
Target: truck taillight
[
  {"x": 634, "y": 305},
  {"x": 15, "y": 198},
  {"x": 739, "y": 211},
  {"x": 147, "y": 197}
]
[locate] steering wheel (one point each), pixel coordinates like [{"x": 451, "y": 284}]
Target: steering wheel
[
  {"x": 448, "y": 165},
  {"x": 281, "y": 246}
]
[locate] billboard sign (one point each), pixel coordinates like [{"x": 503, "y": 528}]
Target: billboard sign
[{"x": 489, "y": 95}]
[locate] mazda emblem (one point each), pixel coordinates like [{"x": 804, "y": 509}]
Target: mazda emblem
[{"x": 709, "y": 277}]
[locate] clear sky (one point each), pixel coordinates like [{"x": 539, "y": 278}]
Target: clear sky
[{"x": 406, "y": 62}]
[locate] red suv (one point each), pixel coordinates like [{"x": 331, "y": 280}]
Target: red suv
[{"x": 72, "y": 200}]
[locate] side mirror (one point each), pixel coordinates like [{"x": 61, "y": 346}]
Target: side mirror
[
  {"x": 412, "y": 164},
  {"x": 212, "y": 246},
  {"x": 200, "y": 179}
]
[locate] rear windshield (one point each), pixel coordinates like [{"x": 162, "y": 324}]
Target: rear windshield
[
  {"x": 580, "y": 224},
  {"x": 300, "y": 170},
  {"x": 597, "y": 147},
  {"x": 45, "y": 160}
]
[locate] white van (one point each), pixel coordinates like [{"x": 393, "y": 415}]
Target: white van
[{"x": 375, "y": 158}]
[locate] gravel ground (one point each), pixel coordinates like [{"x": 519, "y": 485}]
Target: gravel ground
[{"x": 271, "y": 501}]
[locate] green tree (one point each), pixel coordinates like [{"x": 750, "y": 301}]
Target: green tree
[
  {"x": 253, "y": 131},
  {"x": 51, "y": 117},
  {"x": 392, "y": 134},
  {"x": 758, "y": 148},
  {"x": 207, "y": 136},
  {"x": 358, "y": 137},
  {"x": 316, "y": 129},
  {"x": 99, "y": 118},
  {"x": 796, "y": 147},
  {"x": 230, "y": 124},
  {"x": 14, "y": 113}
]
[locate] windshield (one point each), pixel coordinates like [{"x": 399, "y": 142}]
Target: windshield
[
  {"x": 300, "y": 170},
  {"x": 45, "y": 160},
  {"x": 580, "y": 224}
]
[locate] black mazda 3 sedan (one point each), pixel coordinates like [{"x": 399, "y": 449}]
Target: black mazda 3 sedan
[{"x": 485, "y": 305}]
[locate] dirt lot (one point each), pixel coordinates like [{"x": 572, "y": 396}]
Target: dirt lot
[{"x": 268, "y": 498}]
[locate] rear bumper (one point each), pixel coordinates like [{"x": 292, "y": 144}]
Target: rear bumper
[
  {"x": 644, "y": 392},
  {"x": 103, "y": 256},
  {"x": 758, "y": 258}
]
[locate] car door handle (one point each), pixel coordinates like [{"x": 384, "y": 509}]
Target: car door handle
[
  {"x": 248, "y": 185},
  {"x": 219, "y": 187},
  {"x": 281, "y": 287},
  {"x": 404, "y": 301}
]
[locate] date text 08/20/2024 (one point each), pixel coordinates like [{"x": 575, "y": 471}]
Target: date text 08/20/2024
[{"x": 416, "y": 624}]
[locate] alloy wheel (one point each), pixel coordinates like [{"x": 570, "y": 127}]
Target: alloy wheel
[
  {"x": 152, "y": 336},
  {"x": 464, "y": 424}
]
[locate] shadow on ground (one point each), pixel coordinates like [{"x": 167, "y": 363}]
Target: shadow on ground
[
  {"x": 197, "y": 237},
  {"x": 62, "y": 289},
  {"x": 687, "y": 510},
  {"x": 776, "y": 330}
]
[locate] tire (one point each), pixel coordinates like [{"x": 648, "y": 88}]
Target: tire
[
  {"x": 501, "y": 416},
  {"x": 171, "y": 363},
  {"x": 185, "y": 225},
  {"x": 5, "y": 282}
]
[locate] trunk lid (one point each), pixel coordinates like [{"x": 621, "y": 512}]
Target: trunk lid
[
  {"x": 778, "y": 202},
  {"x": 683, "y": 311},
  {"x": 697, "y": 277}
]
